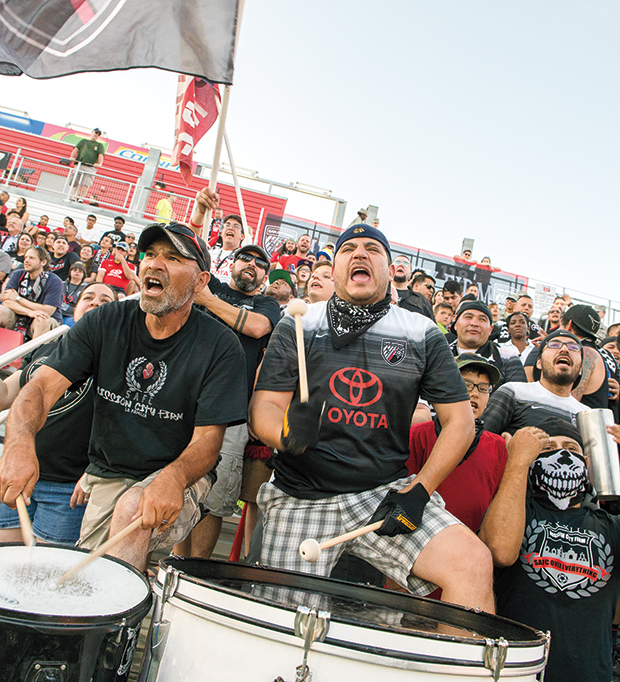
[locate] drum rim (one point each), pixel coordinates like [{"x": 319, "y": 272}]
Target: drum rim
[
  {"x": 135, "y": 614},
  {"x": 468, "y": 618}
]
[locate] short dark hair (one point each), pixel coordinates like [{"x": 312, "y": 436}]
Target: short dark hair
[
  {"x": 70, "y": 219},
  {"x": 119, "y": 217},
  {"x": 443, "y": 305},
  {"x": 44, "y": 216},
  {"x": 524, "y": 296},
  {"x": 92, "y": 284},
  {"x": 234, "y": 216},
  {"x": 420, "y": 279},
  {"x": 91, "y": 215},
  {"x": 453, "y": 287}
]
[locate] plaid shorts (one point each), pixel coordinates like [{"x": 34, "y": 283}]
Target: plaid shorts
[
  {"x": 288, "y": 521},
  {"x": 105, "y": 493}
]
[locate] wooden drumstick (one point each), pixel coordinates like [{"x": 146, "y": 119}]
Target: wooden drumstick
[
  {"x": 310, "y": 549},
  {"x": 100, "y": 551},
  {"x": 297, "y": 308},
  {"x": 24, "y": 522}
]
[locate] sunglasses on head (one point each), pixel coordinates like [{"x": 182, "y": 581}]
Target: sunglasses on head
[
  {"x": 177, "y": 228},
  {"x": 249, "y": 257}
]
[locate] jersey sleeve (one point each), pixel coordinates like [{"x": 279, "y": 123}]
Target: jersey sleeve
[
  {"x": 500, "y": 410},
  {"x": 442, "y": 382},
  {"x": 279, "y": 370}
]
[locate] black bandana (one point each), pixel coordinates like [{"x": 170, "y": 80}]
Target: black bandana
[
  {"x": 479, "y": 426},
  {"x": 558, "y": 479},
  {"x": 347, "y": 321}
]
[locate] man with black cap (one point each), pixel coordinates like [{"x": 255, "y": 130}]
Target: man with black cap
[
  {"x": 470, "y": 487},
  {"x": 341, "y": 460},
  {"x": 161, "y": 371},
  {"x": 559, "y": 552},
  {"x": 472, "y": 325},
  {"x": 600, "y": 370},
  {"x": 89, "y": 153},
  {"x": 558, "y": 370},
  {"x": 252, "y": 316}
]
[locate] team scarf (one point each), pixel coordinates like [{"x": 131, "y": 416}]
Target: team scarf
[
  {"x": 347, "y": 321},
  {"x": 558, "y": 479},
  {"x": 31, "y": 290}
]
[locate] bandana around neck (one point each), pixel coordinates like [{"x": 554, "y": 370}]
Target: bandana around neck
[
  {"x": 558, "y": 479},
  {"x": 347, "y": 321}
]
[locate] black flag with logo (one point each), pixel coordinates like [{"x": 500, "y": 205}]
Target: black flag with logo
[{"x": 49, "y": 38}]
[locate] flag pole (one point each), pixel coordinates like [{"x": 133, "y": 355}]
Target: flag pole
[{"x": 221, "y": 130}]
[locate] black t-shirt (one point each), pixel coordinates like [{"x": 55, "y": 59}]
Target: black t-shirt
[
  {"x": 62, "y": 443},
  {"x": 115, "y": 236},
  {"x": 566, "y": 581},
  {"x": 150, "y": 393},
  {"x": 369, "y": 390},
  {"x": 263, "y": 305},
  {"x": 61, "y": 266}
]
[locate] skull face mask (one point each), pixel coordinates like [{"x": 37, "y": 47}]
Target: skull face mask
[{"x": 558, "y": 479}]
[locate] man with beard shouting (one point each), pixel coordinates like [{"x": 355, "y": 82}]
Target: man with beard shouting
[
  {"x": 161, "y": 371},
  {"x": 557, "y": 371},
  {"x": 252, "y": 317},
  {"x": 341, "y": 460}
]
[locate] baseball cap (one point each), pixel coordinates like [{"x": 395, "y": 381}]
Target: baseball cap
[
  {"x": 511, "y": 297},
  {"x": 181, "y": 237},
  {"x": 304, "y": 261},
  {"x": 480, "y": 364},
  {"x": 253, "y": 248},
  {"x": 363, "y": 230},
  {"x": 122, "y": 245},
  {"x": 97, "y": 130},
  {"x": 326, "y": 254},
  {"x": 584, "y": 317},
  {"x": 282, "y": 274}
]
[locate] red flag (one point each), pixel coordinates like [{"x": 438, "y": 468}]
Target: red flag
[{"x": 195, "y": 114}]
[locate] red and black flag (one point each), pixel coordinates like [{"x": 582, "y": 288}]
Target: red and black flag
[{"x": 49, "y": 38}]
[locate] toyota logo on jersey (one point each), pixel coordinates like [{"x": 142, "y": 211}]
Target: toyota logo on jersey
[{"x": 356, "y": 387}]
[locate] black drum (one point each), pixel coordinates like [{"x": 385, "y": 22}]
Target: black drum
[
  {"x": 85, "y": 630},
  {"x": 216, "y": 621}
]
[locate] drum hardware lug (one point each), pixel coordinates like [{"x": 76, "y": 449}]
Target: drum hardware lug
[
  {"x": 46, "y": 671},
  {"x": 547, "y": 636},
  {"x": 495, "y": 653},
  {"x": 320, "y": 625},
  {"x": 121, "y": 629},
  {"x": 159, "y": 626}
]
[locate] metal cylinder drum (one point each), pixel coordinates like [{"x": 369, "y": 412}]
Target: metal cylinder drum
[{"x": 601, "y": 451}]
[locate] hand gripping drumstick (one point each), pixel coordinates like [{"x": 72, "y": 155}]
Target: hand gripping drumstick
[
  {"x": 310, "y": 549},
  {"x": 96, "y": 553},
  {"x": 297, "y": 308},
  {"x": 24, "y": 522}
]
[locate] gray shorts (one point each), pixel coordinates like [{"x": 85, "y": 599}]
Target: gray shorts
[
  {"x": 288, "y": 521},
  {"x": 222, "y": 500},
  {"x": 105, "y": 493}
]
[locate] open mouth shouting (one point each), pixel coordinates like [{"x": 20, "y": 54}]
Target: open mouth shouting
[
  {"x": 360, "y": 274},
  {"x": 152, "y": 285},
  {"x": 563, "y": 360}
]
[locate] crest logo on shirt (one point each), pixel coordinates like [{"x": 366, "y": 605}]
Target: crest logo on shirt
[
  {"x": 393, "y": 351},
  {"x": 356, "y": 387},
  {"x": 144, "y": 380},
  {"x": 562, "y": 559}
]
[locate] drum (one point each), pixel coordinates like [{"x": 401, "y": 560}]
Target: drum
[
  {"x": 85, "y": 630},
  {"x": 216, "y": 621}
]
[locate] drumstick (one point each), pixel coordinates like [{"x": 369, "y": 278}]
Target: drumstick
[
  {"x": 310, "y": 549},
  {"x": 100, "y": 551},
  {"x": 297, "y": 308},
  {"x": 24, "y": 522}
]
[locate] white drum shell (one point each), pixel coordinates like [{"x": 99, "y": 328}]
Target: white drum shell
[{"x": 215, "y": 636}]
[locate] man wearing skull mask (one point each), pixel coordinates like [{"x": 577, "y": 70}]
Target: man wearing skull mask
[{"x": 558, "y": 552}]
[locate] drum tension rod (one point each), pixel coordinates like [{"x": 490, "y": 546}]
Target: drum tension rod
[
  {"x": 495, "y": 653},
  {"x": 312, "y": 626}
]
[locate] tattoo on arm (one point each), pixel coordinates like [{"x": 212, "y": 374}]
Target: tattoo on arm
[
  {"x": 589, "y": 363},
  {"x": 243, "y": 321}
]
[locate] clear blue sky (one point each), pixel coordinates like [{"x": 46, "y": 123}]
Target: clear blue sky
[{"x": 491, "y": 120}]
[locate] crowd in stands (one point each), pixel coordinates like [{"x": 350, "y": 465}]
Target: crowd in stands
[{"x": 451, "y": 420}]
